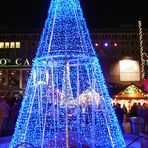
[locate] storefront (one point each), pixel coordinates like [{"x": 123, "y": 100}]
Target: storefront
[{"x": 14, "y": 75}]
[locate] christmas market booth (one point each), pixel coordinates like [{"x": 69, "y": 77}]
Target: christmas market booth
[{"x": 130, "y": 95}]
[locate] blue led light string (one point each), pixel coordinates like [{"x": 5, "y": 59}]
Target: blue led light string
[
  {"x": 58, "y": 100},
  {"x": 78, "y": 101},
  {"x": 47, "y": 33},
  {"x": 32, "y": 130},
  {"x": 37, "y": 79},
  {"x": 29, "y": 114},
  {"x": 40, "y": 108},
  {"x": 93, "y": 111},
  {"x": 70, "y": 27},
  {"x": 45, "y": 107},
  {"x": 112, "y": 120},
  {"x": 52, "y": 31},
  {"x": 27, "y": 103},
  {"x": 65, "y": 37},
  {"x": 57, "y": 107},
  {"x": 42, "y": 102},
  {"x": 53, "y": 105},
  {"x": 85, "y": 33},
  {"x": 105, "y": 115},
  {"x": 79, "y": 31}
]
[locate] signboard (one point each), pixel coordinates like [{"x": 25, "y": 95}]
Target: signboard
[
  {"x": 15, "y": 62},
  {"x": 129, "y": 70}
]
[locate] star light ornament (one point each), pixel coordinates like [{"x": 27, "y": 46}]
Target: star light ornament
[{"x": 66, "y": 102}]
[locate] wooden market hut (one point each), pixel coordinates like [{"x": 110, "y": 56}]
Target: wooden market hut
[{"x": 130, "y": 95}]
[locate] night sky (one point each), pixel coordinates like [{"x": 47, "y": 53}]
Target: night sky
[{"x": 98, "y": 13}]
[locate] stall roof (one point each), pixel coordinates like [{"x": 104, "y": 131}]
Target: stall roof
[{"x": 131, "y": 92}]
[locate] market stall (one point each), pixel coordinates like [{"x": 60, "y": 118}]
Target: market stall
[{"x": 130, "y": 95}]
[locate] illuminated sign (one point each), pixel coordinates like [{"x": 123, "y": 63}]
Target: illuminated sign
[
  {"x": 129, "y": 70},
  {"x": 15, "y": 62}
]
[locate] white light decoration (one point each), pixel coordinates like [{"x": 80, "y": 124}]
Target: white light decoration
[
  {"x": 141, "y": 49},
  {"x": 51, "y": 115},
  {"x": 115, "y": 44},
  {"x": 96, "y": 44}
]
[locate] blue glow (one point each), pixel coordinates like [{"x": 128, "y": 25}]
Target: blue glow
[
  {"x": 106, "y": 44},
  {"x": 66, "y": 102}
]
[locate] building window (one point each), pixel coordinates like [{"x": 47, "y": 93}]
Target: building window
[
  {"x": 17, "y": 44},
  {"x": 12, "y": 44},
  {"x": 6, "y": 44},
  {"x": 1, "y": 44}
]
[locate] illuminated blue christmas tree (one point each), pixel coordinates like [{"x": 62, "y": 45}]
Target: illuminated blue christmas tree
[{"x": 66, "y": 102}]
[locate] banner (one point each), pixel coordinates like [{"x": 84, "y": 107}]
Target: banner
[
  {"x": 129, "y": 70},
  {"x": 145, "y": 83}
]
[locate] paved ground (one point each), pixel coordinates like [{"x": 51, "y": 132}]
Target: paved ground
[
  {"x": 4, "y": 142},
  {"x": 130, "y": 138}
]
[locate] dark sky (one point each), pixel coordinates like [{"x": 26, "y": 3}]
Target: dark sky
[{"x": 98, "y": 13}]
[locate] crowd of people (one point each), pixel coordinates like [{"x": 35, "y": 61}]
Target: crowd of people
[
  {"x": 9, "y": 108},
  {"x": 137, "y": 110}
]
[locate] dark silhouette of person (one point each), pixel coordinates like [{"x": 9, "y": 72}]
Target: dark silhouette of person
[
  {"x": 120, "y": 115},
  {"x": 134, "y": 110},
  {"x": 125, "y": 113},
  {"x": 145, "y": 117},
  {"x": 6, "y": 110}
]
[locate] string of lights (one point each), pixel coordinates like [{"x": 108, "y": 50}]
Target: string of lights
[
  {"x": 66, "y": 102},
  {"x": 141, "y": 50}
]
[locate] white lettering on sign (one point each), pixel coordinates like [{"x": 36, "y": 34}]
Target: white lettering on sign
[
  {"x": 17, "y": 62},
  {"x": 3, "y": 61},
  {"x": 26, "y": 62}
]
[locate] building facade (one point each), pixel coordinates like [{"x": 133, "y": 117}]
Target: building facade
[
  {"x": 120, "y": 55},
  {"x": 117, "y": 49},
  {"x": 17, "y": 51}
]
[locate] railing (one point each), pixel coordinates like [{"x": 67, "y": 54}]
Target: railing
[
  {"x": 25, "y": 144},
  {"x": 139, "y": 137}
]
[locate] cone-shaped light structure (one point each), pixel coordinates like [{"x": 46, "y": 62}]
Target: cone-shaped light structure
[{"x": 66, "y": 102}]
